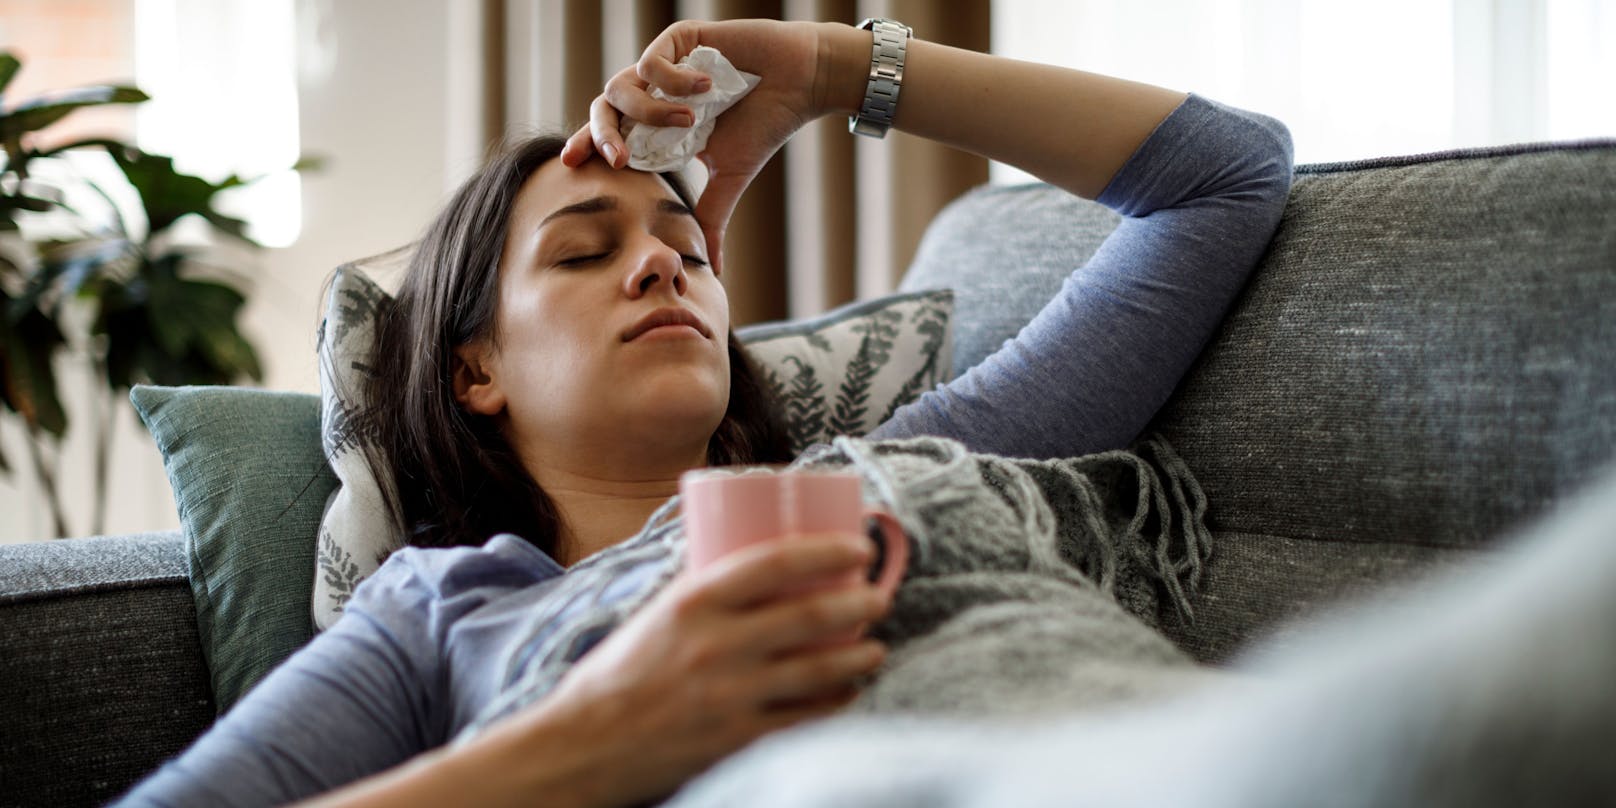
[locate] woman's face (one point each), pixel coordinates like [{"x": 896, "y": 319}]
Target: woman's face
[{"x": 611, "y": 328}]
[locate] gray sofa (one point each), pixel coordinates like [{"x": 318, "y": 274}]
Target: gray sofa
[{"x": 1422, "y": 362}]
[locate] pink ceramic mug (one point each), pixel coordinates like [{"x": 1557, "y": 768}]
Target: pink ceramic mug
[{"x": 726, "y": 509}]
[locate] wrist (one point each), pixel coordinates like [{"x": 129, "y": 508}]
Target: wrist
[
  {"x": 536, "y": 752},
  {"x": 844, "y": 68}
]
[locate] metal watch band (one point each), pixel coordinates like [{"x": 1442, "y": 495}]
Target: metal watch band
[{"x": 886, "y": 77}]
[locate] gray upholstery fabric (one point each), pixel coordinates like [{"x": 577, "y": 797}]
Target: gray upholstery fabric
[
  {"x": 102, "y": 670},
  {"x": 1265, "y": 586},
  {"x": 57, "y": 566},
  {"x": 1422, "y": 359}
]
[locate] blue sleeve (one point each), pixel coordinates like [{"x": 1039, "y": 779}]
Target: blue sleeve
[
  {"x": 365, "y": 695},
  {"x": 1200, "y": 199}
]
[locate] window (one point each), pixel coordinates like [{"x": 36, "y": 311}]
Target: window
[
  {"x": 1351, "y": 80},
  {"x": 222, "y": 77}
]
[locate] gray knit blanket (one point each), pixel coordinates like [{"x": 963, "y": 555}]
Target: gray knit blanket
[{"x": 1033, "y": 585}]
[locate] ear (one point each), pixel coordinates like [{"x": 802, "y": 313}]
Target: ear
[{"x": 474, "y": 384}]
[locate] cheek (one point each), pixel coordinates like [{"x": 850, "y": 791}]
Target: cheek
[
  {"x": 549, "y": 350},
  {"x": 714, "y": 301}
]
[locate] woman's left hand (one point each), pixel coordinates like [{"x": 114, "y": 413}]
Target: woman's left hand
[{"x": 794, "y": 62}]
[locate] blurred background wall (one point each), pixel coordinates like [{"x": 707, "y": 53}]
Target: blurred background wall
[{"x": 403, "y": 97}]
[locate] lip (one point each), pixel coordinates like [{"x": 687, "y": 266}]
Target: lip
[{"x": 667, "y": 316}]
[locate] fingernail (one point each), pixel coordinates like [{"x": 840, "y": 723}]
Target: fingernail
[
  {"x": 610, "y": 153},
  {"x": 702, "y": 85},
  {"x": 680, "y": 119}
]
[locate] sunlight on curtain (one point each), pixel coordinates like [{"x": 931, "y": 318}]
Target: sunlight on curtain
[
  {"x": 1351, "y": 80},
  {"x": 222, "y": 77}
]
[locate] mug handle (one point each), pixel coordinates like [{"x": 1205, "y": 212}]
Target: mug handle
[{"x": 894, "y": 550}]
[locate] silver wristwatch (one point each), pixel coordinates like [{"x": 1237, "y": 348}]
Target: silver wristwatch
[{"x": 886, "y": 77}]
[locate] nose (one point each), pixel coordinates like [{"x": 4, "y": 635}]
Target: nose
[{"x": 656, "y": 264}]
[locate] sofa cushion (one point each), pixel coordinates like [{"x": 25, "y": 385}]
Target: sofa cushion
[
  {"x": 1421, "y": 359},
  {"x": 56, "y": 567},
  {"x": 102, "y": 669},
  {"x": 1423, "y": 356},
  {"x": 250, "y": 484}
]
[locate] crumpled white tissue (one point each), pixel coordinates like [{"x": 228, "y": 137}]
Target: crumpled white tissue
[{"x": 670, "y": 148}]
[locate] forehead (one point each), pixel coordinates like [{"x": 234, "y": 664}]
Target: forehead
[{"x": 555, "y": 186}]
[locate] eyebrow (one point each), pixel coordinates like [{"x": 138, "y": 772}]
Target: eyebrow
[{"x": 603, "y": 204}]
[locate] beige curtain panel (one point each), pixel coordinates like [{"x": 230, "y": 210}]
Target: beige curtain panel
[{"x": 832, "y": 218}]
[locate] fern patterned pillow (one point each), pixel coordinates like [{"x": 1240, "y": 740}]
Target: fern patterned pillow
[
  {"x": 841, "y": 373},
  {"x": 846, "y": 372}
]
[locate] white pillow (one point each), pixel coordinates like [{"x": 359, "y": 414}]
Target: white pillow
[{"x": 842, "y": 373}]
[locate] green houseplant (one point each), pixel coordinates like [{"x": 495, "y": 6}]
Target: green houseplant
[{"x": 82, "y": 283}]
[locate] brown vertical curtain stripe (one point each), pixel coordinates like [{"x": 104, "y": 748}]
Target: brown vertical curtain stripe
[{"x": 793, "y": 245}]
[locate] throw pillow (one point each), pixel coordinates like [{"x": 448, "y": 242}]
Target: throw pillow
[
  {"x": 250, "y": 485},
  {"x": 841, "y": 373},
  {"x": 356, "y": 534},
  {"x": 846, "y": 372}
]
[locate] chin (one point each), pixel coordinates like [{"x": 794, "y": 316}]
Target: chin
[{"x": 684, "y": 395}]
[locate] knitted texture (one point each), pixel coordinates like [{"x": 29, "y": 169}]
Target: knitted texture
[{"x": 1063, "y": 566}]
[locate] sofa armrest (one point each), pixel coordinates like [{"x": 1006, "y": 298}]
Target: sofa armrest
[{"x": 102, "y": 670}]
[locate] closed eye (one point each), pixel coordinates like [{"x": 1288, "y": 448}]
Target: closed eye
[
  {"x": 694, "y": 259},
  {"x": 581, "y": 260}
]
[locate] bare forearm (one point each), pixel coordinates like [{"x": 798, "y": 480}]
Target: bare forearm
[
  {"x": 520, "y": 762},
  {"x": 1067, "y": 127}
]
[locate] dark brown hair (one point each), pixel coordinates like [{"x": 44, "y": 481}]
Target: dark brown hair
[{"x": 455, "y": 479}]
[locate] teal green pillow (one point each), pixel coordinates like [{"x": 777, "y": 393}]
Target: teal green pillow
[{"x": 251, "y": 484}]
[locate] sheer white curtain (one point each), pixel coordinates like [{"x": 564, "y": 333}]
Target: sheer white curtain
[{"x": 1352, "y": 80}]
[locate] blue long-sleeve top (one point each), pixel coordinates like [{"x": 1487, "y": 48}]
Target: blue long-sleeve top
[{"x": 415, "y": 656}]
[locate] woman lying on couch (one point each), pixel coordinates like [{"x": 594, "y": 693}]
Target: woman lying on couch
[{"x": 545, "y": 260}]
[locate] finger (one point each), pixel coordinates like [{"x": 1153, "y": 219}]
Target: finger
[
  {"x": 794, "y": 622},
  {"x": 658, "y": 60},
  {"x": 636, "y": 103},
  {"x": 755, "y": 574},
  {"x": 717, "y": 205},
  {"x": 631, "y": 97},
  {"x": 580, "y": 147},
  {"x": 603, "y": 130},
  {"x": 817, "y": 675},
  {"x": 659, "y": 71}
]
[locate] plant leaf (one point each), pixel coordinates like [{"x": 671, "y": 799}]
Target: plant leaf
[
  {"x": 106, "y": 143},
  {"x": 25, "y": 202},
  {"x": 9, "y": 65},
  {"x": 38, "y": 113},
  {"x": 167, "y": 194},
  {"x": 75, "y": 263},
  {"x": 231, "y": 355},
  {"x": 29, "y": 381},
  {"x": 147, "y": 342},
  {"x": 11, "y": 204}
]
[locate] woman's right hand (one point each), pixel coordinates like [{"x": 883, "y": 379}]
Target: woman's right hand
[
  {"x": 805, "y": 72},
  {"x": 714, "y": 661}
]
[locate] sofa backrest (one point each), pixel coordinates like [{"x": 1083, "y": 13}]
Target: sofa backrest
[{"x": 1426, "y": 355}]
